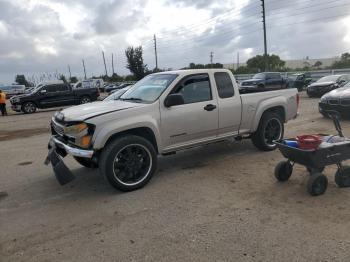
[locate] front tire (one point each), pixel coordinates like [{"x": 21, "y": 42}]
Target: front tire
[
  {"x": 270, "y": 129},
  {"x": 28, "y": 108},
  {"x": 86, "y": 162},
  {"x": 128, "y": 162}
]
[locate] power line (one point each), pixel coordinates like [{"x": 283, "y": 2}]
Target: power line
[{"x": 264, "y": 28}]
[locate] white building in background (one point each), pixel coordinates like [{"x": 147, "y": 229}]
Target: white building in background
[{"x": 297, "y": 63}]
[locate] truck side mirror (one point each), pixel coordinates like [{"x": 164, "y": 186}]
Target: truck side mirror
[
  {"x": 43, "y": 91},
  {"x": 174, "y": 100}
]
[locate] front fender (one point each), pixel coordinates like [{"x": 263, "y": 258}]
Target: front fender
[{"x": 114, "y": 127}]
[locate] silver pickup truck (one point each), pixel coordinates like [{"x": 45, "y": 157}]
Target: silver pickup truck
[{"x": 161, "y": 114}]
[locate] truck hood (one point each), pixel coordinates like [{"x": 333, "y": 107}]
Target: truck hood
[{"x": 90, "y": 110}]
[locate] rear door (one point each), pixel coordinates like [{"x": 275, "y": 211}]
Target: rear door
[
  {"x": 47, "y": 96},
  {"x": 65, "y": 95},
  {"x": 229, "y": 105},
  {"x": 275, "y": 80},
  {"x": 196, "y": 120}
]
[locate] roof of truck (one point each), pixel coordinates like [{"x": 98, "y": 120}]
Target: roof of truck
[{"x": 194, "y": 71}]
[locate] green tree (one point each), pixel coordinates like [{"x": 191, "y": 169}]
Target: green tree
[
  {"x": 135, "y": 62},
  {"x": 257, "y": 63},
  {"x": 63, "y": 78},
  {"x": 344, "y": 61},
  {"x": 73, "y": 79},
  {"x": 21, "y": 80},
  {"x": 318, "y": 64}
]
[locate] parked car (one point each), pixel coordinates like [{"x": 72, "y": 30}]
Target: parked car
[
  {"x": 11, "y": 90},
  {"x": 326, "y": 84},
  {"x": 299, "y": 81},
  {"x": 161, "y": 114},
  {"x": 52, "y": 95},
  {"x": 116, "y": 94},
  {"x": 336, "y": 100},
  {"x": 111, "y": 88},
  {"x": 264, "y": 82}
]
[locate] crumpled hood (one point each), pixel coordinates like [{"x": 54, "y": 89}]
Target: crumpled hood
[
  {"x": 343, "y": 92},
  {"x": 322, "y": 84},
  {"x": 89, "y": 110}
]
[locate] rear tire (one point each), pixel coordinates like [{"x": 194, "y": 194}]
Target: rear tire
[
  {"x": 29, "y": 108},
  {"x": 86, "y": 162},
  {"x": 270, "y": 128},
  {"x": 128, "y": 162},
  {"x": 85, "y": 99},
  {"x": 317, "y": 184}
]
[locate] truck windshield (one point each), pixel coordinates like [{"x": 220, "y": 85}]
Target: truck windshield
[
  {"x": 149, "y": 88},
  {"x": 259, "y": 76}
]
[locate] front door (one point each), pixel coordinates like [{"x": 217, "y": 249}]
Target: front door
[{"x": 196, "y": 120}]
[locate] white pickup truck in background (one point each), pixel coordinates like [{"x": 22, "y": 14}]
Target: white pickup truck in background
[{"x": 161, "y": 114}]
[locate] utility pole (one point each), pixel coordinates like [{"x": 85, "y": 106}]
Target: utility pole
[
  {"x": 112, "y": 64},
  {"x": 104, "y": 61},
  {"x": 84, "y": 68},
  {"x": 70, "y": 74},
  {"x": 155, "y": 50},
  {"x": 211, "y": 59},
  {"x": 265, "y": 45},
  {"x": 237, "y": 60}
]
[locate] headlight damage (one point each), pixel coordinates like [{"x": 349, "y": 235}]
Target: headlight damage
[{"x": 79, "y": 134}]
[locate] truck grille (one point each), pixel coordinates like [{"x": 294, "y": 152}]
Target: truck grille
[
  {"x": 58, "y": 128},
  {"x": 333, "y": 101},
  {"x": 345, "y": 102}
]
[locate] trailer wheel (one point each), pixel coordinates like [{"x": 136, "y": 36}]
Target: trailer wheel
[
  {"x": 283, "y": 171},
  {"x": 342, "y": 177},
  {"x": 317, "y": 184}
]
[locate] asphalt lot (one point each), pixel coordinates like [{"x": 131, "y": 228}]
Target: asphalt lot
[{"x": 214, "y": 203}]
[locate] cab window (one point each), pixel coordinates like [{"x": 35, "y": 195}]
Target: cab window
[
  {"x": 194, "y": 88},
  {"x": 224, "y": 84}
]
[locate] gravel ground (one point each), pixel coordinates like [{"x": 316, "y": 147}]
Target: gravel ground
[{"x": 213, "y": 203}]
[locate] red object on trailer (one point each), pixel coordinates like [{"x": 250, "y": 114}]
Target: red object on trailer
[{"x": 309, "y": 141}]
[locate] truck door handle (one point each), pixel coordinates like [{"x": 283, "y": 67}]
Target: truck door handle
[{"x": 209, "y": 107}]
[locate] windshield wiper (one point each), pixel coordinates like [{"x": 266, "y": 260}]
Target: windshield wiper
[{"x": 132, "y": 99}]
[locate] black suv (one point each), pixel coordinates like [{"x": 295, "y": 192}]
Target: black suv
[
  {"x": 52, "y": 95},
  {"x": 264, "y": 82}
]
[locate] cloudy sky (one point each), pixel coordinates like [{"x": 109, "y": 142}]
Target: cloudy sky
[{"x": 46, "y": 35}]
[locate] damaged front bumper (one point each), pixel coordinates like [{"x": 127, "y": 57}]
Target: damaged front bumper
[{"x": 58, "y": 150}]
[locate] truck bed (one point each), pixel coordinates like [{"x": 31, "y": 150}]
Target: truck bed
[{"x": 254, "y": 104}]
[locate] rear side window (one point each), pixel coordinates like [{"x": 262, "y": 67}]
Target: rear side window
[
  {"x": 274, "y": 76},
  {"x": 224, "y": 85},
  {"x": 61, "y": 88},
  {"x": 50, "y": 89}
]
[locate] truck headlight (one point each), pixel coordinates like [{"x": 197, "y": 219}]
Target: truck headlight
[
  {"x": 75, "y": 129},
  {"x": 80, "y": 134}
]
